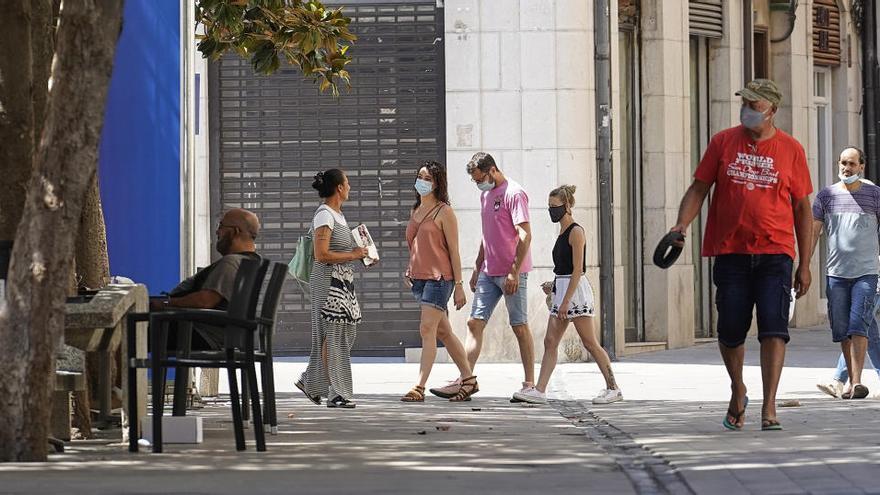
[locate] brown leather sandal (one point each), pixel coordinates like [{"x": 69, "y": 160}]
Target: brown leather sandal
[
  {"x": 417, "y": 394},
  {"x": 468, "y": 388}
]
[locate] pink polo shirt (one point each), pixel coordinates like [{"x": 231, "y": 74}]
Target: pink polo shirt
[{"x": 502, "y": 209}]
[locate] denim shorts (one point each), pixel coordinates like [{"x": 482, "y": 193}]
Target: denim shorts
[
  {"x": 851, "y": 304},
  {"x": 745, "y": 282},
  {"x": 434, "y": 293},
  {"x": 489, "y": 292}
]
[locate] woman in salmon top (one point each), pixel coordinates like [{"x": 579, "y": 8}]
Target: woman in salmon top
[{"x": 434, "y": 273}]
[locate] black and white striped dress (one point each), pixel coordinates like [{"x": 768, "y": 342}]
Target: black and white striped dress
[{"x": 335, "y": 314}]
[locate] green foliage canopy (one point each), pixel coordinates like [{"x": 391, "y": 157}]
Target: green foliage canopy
[{"x": 303, "y": 32}]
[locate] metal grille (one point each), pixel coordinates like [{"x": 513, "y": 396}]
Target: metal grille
[
  {"x": 705, "y": 18},
  {"x": 271, "y": 135}
]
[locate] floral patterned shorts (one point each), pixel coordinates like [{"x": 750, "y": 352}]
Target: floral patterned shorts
[{"x": 581, "y": 302}]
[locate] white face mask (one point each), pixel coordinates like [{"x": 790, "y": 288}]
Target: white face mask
[{"x": 852, "y": 179}]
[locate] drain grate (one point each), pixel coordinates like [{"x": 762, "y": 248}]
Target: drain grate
[{"x": 649, "y": 473}]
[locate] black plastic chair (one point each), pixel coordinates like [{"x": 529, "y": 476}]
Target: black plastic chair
[
  {"x": 184, "y": 340},
  {"x": 266, "y": 319},
  {"x": 240, "y": 327}
]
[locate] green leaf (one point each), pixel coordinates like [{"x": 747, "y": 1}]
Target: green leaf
[{"x": 304, "y": 33}]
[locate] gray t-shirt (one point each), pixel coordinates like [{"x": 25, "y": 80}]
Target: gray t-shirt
[
  {"x": 851, "y": 224},
  {"x": 220, "y": 278}
]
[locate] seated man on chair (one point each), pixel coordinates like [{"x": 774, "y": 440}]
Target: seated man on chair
[{"x": 212, "y": 286}]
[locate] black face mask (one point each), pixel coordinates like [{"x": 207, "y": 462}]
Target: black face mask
[{"x": 556, "y": 213}]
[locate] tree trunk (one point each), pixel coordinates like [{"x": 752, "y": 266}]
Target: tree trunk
[
  {"x": 92, "y": 271},
  {"x": 16, "y": 112},
  {"x": 92, "y": 264},
  {"x": 44, "y": 244},
  {"x": 42, "y": 49}
]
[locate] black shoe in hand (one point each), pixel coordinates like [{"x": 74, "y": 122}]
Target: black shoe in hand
[{"x": 338, "y": 401}]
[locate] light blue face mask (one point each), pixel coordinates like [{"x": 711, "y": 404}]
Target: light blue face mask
[
  {"x": 852, "y": 179},
  {"x": 424, "y": 187},
  {"x": 751, "y": 118},
  {"x": 486, "y": 186}
]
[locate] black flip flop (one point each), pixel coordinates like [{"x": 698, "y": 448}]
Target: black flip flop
[
  {"x": 667, "y": 252},
  {"x": 859, "y": 391},
  {"x": 736, "y": 416},
  {"x": 770, "y": 425}
]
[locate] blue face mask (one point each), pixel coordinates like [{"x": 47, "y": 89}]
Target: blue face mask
[
  {"x": 751, "y": 118},
  {"x": 852, "y": 179},
  {"x": 486, "y": 186},
  {"x": 424, "y": 187}
]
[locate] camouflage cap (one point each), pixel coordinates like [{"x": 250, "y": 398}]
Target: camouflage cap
[{"x": 761, "y": 89}]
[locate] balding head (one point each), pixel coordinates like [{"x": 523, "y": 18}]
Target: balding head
[
  {"x": 237, "y": 231},
  {"x": 246, "y": 221}
]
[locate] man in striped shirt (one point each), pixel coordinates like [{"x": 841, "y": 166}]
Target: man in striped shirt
[{"x": 849, "y": 214}]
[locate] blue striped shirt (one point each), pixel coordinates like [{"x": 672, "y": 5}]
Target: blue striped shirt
[{"x": 851, "y": 221}]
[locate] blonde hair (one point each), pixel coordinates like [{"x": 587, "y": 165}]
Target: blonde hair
[{"x": 565, "y": 192}]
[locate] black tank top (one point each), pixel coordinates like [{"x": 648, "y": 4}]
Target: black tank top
[{"x": 563, "y": 262}]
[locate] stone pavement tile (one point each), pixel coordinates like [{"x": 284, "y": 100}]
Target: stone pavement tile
[
  {"x": 766, "y": 481},
  {"x": 864, "y": 475},
  {"x": 819, "y": 478},
  {"x": 714, "y": 482}
]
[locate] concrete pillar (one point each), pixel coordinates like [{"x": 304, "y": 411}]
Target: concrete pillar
[
  {"x": 726, "y": 70},
  {"x": 669, "y": 294},
  {"x": 792, "y": 69}
]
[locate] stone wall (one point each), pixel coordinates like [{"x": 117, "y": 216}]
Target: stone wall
[{"x": 520, "y": 85}]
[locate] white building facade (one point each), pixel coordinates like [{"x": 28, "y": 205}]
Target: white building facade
[{"x": 519, "y": 83}]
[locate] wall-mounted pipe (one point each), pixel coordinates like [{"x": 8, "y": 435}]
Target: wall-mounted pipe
[
  {"x": 791, "y": 11},
  {"x": 748, "y": 41},
  {"x": 869, "y": 73},
  {"x": 602, "y": 40}
]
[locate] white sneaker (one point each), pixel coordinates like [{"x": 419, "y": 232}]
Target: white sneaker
[
  {"x": 833, "y": 388},
  {"x": 525, "y": 387},
  {"x": 531, "y": 395},
  {"x": 608, "y": 396}
]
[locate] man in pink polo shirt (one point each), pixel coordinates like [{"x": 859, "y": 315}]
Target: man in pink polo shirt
[{"x": 503, "y": 264}]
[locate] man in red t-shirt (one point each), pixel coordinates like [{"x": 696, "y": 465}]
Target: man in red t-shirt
[{"x": 761, "y": 191}]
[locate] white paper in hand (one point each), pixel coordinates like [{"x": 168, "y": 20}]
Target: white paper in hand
[{"x": 363, "y": 239}]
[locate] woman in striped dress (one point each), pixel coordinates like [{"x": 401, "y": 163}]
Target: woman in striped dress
[{"x": 335, "y": 308}]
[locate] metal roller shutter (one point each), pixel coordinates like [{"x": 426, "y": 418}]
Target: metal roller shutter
[
  {"x": 705, "y": 18},
  {"x": 270, "y": 135}
]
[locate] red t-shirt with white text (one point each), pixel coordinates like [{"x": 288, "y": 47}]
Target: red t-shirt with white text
[{"x": 755, "y": 184}]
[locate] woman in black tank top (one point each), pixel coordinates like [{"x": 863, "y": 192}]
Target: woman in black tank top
[{"x": 572, "y": 302}]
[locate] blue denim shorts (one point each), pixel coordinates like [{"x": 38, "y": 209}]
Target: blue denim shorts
[
  {"x": 489, "y": 292},
  {"x": 434, "y": 293},
  {"x": 851, "y": 304},
  {"x": 745, "y": 282}
]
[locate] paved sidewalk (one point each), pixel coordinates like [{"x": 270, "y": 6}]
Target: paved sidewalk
[
  {"x": 676, "y": 401},
  {"x": 486, "y": 446},
  {"x": 666, "y": 437}
]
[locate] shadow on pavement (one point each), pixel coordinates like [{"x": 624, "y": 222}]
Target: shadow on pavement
[{"x": 827, "y": 446}]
